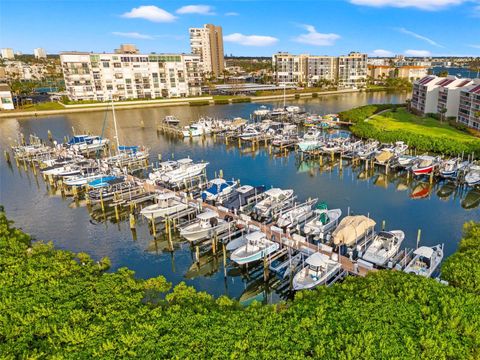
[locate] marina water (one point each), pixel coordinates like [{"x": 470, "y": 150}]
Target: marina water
[{"x": 47, "y": 216}]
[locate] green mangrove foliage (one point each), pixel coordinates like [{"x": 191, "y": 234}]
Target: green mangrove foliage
[
  {"x": 361, "y": 113},
  {"x": 57, "y": 304},
  {"x": 462, "y": 269}
]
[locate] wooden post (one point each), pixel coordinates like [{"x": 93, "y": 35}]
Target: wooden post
[
  {"x": 132, "y": 221},
  {"x": 214, "y": 244},
  {"x": 224, "y": 250},
  {"x": 431, "y": 178},
  {"x": 239, "y": 142},
  {"x": 154, "y": 229},
  {"x": 383, "y": 225},
  {"x": 265, "y": 268},
  {"x": 117, "y": 216},
  {"x": 7, "y": 156},
  {"x": 197, "y": 254},
  {"x": 419, "y": 235}
]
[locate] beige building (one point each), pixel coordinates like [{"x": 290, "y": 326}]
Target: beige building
[
  {"x": 40, "y": 53},
  {"x": 6, "y": 102},
  {"x": 207, "y": 42},
  {"x": 7, "y": 53},
  {"x": 378, "y": 72},
  {"x": 90, "y": 76},
  {"x": 411, "y": 72},
  {"x": 289, "y": 69},
  {"x": 352, "y": 70}
]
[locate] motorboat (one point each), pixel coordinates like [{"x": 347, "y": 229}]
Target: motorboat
[
  {"x": 367, "y": 150},
  {"x": 243, "y": 197},
  {"x": 472, "y": 176},
  {"x": 256, "y": 248},
  {"x": 114, "y": 188},
  {"x": 292, "y": 109},
  {"x": 399, "y": 148},
  {"x": 284, "y": 140},
  {"x": 262, "y": 111},
  {"x": 218, "y": 189},
  {"x": 384, "y": 247},
  {"x": 351, "y": 146},
  {"x": 352, "y": 230},
  {"x": 319, "y": 269},
  {"x": 405, "y": 161},
  {"x": 171, "y": 120},
  {"x": 451, "y": 167},
  {"x": 385, "y": 154},
  {"x": 309, "y": 145},
  {"x": 200, "y": 128},
  {"x": 241, "y": 240},
  {"x": 424, "y": 165},
  {"x": 87, "y": 143},
  {"x": 206, "y": 225},
  {"x": 312, "y": 134},
  {"x": 275, "y": 200},
  {"x": 83, "y": 179},
  {"x": 167, "y": 203},
  {"x": 162, "y": 168},
  {"x": 186, "y": 170},
  {"x": 425, "y": 260},
  {"x": 296, "y": 215},
  {"x": 250, "y": 132},
  {"x": 127, "y": 155},
  {"x": 324, "y": 221},
  {"x": 105, "y": 181},
  {"x": 332, "y": 147}
]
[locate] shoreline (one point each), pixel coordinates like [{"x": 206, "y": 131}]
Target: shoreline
[{"x": 83, "y": 108}]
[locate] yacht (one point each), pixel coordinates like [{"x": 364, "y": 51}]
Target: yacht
[
  {"x": 206, "y": 225},
  {"x": 319, "y": 269},
  {"x": 161, "y": 169},
  {"x": 250, "y": 132},
  {"x": 87, "y": 143},
  {"x": 218, "y": 189},
  {"x": 202, "y": 127},
  {"x": 275, "y": 200},
  {"x": 256, "y": 248},
  {"x": 312, "y": 134},
  {"x": 168, "y": 203},
  {"x": 186, "y": 170},
  {"x": 425, "y": 260},
  {"x": 384, "y": 246},
  {"x": 171, "y": 120},
  {"x": 82, "y": 179},
  {"x": 244, "y": 197}
]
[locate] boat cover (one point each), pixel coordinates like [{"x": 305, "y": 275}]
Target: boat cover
[
  {"x": 384, "y": 156},
  {"x": 352, "y": 228}
]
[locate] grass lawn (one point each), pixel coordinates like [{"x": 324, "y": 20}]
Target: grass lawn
[
  {"x": 41, "y": 106},
  {"x": 403, "y": 120}
]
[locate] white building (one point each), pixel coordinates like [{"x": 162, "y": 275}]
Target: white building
[
  {"x": 7, "y": 53},
  {"x": 207, "y": 42},
  {"x": 91, "y": 76},
  {"x": 449, "y": 95},
  {"x": 39, "y": 53},
  {"x": 6, "y": 102},
  {"x": 469, "y": 108},
  {"x": 352, "y": 70},
  {"x": 425, "y": 95},
  {"x": 289, "y": 69}
]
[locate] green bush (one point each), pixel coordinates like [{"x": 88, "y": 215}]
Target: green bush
[
  {"x": 241, "y": 100},
  {"x": 221, "y": 101},
  {"x": 198, "y": 103},
  {"x": 297, "y": 96},
  {"x": 363, "y": 112},
  {"x": 315, "y": 95}
]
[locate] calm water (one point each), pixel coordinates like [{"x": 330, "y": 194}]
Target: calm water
[
  {"x": 49, "y": 217},
  {"x": 458, "y": 72}
]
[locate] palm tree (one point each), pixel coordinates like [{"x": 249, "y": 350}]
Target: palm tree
[{"x": 475, "y": 66}]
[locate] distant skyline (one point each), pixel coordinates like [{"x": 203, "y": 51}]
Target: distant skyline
[{"x": 250, "y": 28}]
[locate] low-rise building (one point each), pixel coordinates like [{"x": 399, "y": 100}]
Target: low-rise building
[
  {"x": 425, "y": 95},
  {"x": 380, "y": 72},
  {"x": 6, "y": 101},
  {"x": 90, "y": 76},
  {"x": 449, "y": 95},
  {"x": 469, "y": 107},
  {"x": 411, "y": 72}
]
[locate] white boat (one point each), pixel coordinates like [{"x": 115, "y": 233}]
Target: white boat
[
  {"x": 218, "y": 189},
  {"x": 312, "y": 134},
  {"x": 296, "y": 215},
  {"x": 472, "y": 177},
  {"x": 87, "y": 143},
  {"x": 80, "y": 180},
  {"x": 168, "y": 203},
  {"x": 186, "y": 170},
  {"x": 171, "y": 120},
  {"x": 352, "y": 230},
  {"x": 331, "y": 147},
  {"x": 275, "y": 200},
  {"x": 202, "y": 127},
  {"x": 262, "y": 111},
  {"x": 425, "y": 260},
  {"x": 319, "y": 270},
  {"x": 384, "y": 246},
  {"x": 250, "y": 132},
  {"x": 309, "y": 145},
  {"x": 451, "y": 167},
  {"x": 368, "y": 150},
  {"x": 241, "y": 240},
  {"x": 256, "y": 248},
  {"x": 323, "y": 222},
  {"x": 406, "y": 160},
  {"x": 162, "y": 168},
  {"x": 206, "y": 225},
  {"x": 292, "y": 109}
]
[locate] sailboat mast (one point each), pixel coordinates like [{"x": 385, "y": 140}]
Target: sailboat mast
[
  {"x": 115, "y": 124},
  {"x": 284, "y": 93}
]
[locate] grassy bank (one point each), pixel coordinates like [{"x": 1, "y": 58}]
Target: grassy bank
[
  {"x": 422, "y": 133},
  {"x": 58, "y": 304}
]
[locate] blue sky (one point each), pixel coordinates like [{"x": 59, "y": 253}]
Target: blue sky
[{"x": 382, "y": 27}]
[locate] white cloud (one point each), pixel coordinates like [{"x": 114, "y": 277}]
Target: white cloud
[
  {"x": 420, "y": 37},
  {"x": 250, "y": 40},
  {"x": 232, "y": 13},
  {"x": 196, "y": 9},
  {"x": 382, "y": 53},
  {"x": 133, "y": 35},
  {"x": 419, "y": 4},
  {"x": 151, "y": 13},
  {"x": 417, "y": 53},
  {"x": 475, "y": 46},
  {"x": 312, "y": 37}
]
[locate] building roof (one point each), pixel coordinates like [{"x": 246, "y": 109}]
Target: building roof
[{"x": 4, "y": 87}]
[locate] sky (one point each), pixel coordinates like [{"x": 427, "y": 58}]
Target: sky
[{"x": 250, "y": 28}]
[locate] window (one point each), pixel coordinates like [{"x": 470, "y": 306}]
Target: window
[{"x": 106, "y": 64}]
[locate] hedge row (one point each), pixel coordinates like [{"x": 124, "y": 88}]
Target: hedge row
[{"x": 363, "y": 112}]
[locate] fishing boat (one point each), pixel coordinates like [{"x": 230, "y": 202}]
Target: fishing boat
[
  {"x": 451, "y": 167},
  {"x": 243, "y": 197},
  {"x": 168, "y": 203},
  {"x": 312, "y": 134},
  {"x": 107, "y": 193},
  {"x": 171, "y": 120},
  {"x": 200, "y": 128},
  {"x": 83, "y": 179},
  {"x": 275, "y": 200},
  {"x": 425, "y": 260},
  {"x": 86, "y": 143},
  {"x": 367, "y": 150},
  {"x": 262, "y": 111},
  {"x": 472, "y": 176},
  {"x": 218, "y": 189},
  {"x": 105, "y": 181},
  {"x": 323, "y": 222},
  {"x": 256, "y": 248},
  {"x": 206, "y": 225},
  {"x": 405, "y": 161},
  {"x": 186, "y": 170},
  {"x": 319, "y": 269},
  {"x": 384, "y": 247},
  {"x": 424, "y": 165},
  {"x": 309, "y": 145},
  {"x": 234, "y": 244},
  {"x": 332, "y": 147},
  {"x": 250, "y": 132},
  {"x": 384, "y": 155},
  {"x": 296, "y": 215},
  {"x": 161, "y": 169}
]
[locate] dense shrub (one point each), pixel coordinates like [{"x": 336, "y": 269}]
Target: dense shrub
[
  {"x": 221, "y": 101},
  {"x": 57, "y": 304},
  {"x": 363, "y": 112},
  {"x": 241, "y": 100},
  {"x": 198, "y": 103}
]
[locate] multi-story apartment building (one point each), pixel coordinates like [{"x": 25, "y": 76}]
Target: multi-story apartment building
[
  {"x": 207, "y": 42},
  {"x": 91, "y": 76},
  {"x": 7, "y": 53},
  {"x": 352, "y": 70},
  {"x": 348, "y": 71},
  {"x": 469, "y": 108},
  {"x": 40, "y": 53},
  {"x": 411, "y": 72},
  {"x": 449, "y": 97}
]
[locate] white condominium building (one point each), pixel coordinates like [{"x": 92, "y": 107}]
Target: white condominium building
[
  {"x": 348, "y": 71},
  {"x": 207, "y": 42},
  {"x": 7, "y": 53},
  {"x": 448, "y": 97},
  {"x": 122, "y": 76},
  {"x": 40, "y": 53}
]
